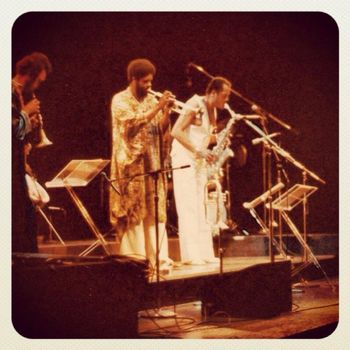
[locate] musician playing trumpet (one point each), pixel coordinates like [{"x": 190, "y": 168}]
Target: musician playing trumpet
[
  {"x": 193, "y": 133},
  {"x": 139, "y": 126},
  {"x": 31, "y": 72}
]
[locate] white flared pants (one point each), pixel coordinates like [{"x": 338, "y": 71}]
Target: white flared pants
[
  {"x": 140, "y": 241},
  {"x": 196, "y": 241}
]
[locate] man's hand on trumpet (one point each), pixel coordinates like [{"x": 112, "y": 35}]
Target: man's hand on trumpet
[
  {"x": 166, "y": 101},
  {"x": 32, "y": 107},
  {"x": 36, "y": 120}
]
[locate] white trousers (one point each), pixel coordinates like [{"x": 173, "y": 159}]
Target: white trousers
[
  {"x": 140, "y": 241},
  {"x": 196, "y": 241}
]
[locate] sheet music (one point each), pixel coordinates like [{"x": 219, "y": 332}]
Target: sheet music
[{"x": 78, "y": 173}]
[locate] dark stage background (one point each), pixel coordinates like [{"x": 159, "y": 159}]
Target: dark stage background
[{"x": 286, "y": 62}]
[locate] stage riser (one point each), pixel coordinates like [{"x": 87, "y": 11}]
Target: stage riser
[
  {"x": 234, "y": 246},
  {"x": 320, "y": 244},
  {"x": 262, "y": 290},
  {"x": 76, "y": 299}
]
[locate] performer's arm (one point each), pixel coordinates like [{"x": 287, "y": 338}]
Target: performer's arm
[{"x": 178, "y": 132}]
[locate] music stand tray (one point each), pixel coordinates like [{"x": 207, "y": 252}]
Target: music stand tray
[
  {"x": 291, "y": 198},
  {"x": 286, "y": 202},
  {"x": 79, "y": 173}
]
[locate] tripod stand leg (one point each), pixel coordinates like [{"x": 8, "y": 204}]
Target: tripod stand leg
[
  {"x": 305, "y": 246},
  {"x": 50, "y": 225},
  {"x": 280, "y": 247},
  {"x": 100, "y": 239},
  {"x": 90, "y": 248}
]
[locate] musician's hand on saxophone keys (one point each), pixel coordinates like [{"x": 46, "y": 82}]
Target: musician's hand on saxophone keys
[{"x": 205, "y": 154}]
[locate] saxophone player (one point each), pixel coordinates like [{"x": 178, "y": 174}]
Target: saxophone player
[{"x": 192, "y": 134}]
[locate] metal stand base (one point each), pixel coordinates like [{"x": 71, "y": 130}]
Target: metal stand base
[{"x": 311, "y": 257}]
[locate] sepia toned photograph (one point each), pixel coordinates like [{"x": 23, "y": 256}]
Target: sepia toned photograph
[{"x": 175, "y": 175}]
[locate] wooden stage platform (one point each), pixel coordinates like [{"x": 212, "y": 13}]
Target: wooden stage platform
[{"x": 109, "y": 297}]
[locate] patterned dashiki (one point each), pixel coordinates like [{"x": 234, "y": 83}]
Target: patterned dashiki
[{"x": 137, "y": 147}]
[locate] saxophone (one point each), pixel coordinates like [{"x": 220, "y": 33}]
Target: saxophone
[
  {"x": 222, "y": 150},
  {"x": 217, "y": 201}
]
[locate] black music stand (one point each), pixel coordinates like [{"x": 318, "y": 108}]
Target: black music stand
[{"x": 79, "y": 173}]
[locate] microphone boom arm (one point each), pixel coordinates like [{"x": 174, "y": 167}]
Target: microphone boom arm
[
  {"x": 283, "y": 152},
  {"x": 254, "y": 106}
]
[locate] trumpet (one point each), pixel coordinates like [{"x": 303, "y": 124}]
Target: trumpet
[
  {"x": 178, "y": 106},
  {"x": 43, "y": 139}
]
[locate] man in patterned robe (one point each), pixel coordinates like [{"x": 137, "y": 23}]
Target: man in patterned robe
[{"x": 139, "y": 125}]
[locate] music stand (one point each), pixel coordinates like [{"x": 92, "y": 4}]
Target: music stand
[
  {"x": 294, "y": 196},
  {"x": 287, "y": 202},
  {"x": 79, "y": 173}
]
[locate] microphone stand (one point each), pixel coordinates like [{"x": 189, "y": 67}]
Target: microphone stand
[
  {"x": 271, "y": 144},
  {"x": 279, "y": 150},
  {"x": 266, "y": 150},
  {"x": 155, "y": 176},
  {"x": 253, "y": 105}
]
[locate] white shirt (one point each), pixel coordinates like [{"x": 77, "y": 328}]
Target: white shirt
[{"x": 197, "y": 134}]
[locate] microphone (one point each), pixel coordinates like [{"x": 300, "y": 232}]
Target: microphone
[
  {"x": 263, "y": 197},
  {"x": 232, "y": 113},
  {"x": 250, "y": 116},
  {"x": 56, "y": 208},
  {"x": 191, "y": 64},
  {"x": 110, "y": 182},
  {"x": 260, "y": 139},
  {"x": 255, "y": 108},
  {"x": 185, "y": 166}
]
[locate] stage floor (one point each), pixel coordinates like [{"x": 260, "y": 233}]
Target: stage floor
[{"x": 315, "y": 311}]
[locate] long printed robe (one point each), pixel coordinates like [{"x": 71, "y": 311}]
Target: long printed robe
[{"x": 138, "y": 147}]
